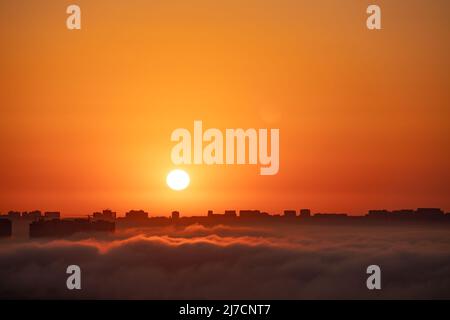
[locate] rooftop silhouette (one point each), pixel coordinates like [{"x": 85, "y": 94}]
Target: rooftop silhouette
[{"x": 50, "y": 224}]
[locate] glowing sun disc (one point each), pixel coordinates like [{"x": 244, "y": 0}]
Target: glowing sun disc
[{"x": 178, "y": 179}]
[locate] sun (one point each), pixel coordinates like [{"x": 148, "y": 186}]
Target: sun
[{"x": 178, "y": 179}]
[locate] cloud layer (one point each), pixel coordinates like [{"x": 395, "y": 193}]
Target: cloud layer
[{"x": 232, "y": 263}]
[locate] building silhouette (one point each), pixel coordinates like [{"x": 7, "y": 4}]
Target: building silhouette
[
  {"x": 136, "y": 215},
  {"x": 430, "y": 212},
  {"x": 50, "y": 224},
  {"x": 305, "y": 213},
  {"x": 289, "y": 213},
  {"x": 56, "y": 228},
  {"x": 378, "y": 213},
  {"x": 175, "y": 215},
  {"x": 5, "y": 228},
  {"x": 230, "y": 214},
  {"x": 402, "y": 213},
  {"x": 14, "y": 215},
  {"x": 50, "y": 215},
  {"x": 32, "y": 215},
  {"x": 105, "y": 215},
  {"x": 330, "y": 215},
  {"x": 252, "y": 214}
]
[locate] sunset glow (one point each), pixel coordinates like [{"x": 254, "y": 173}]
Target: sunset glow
[
  {"x": 363, "y": 115},
  {"x": 178, "y": 180},
  {"x": 236, "y": 157}
]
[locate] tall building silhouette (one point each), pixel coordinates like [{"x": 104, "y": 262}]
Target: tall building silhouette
[
  {"x": 105, "y": 215},
  {"x": 56, "y": 228},
  {"x": 290, "y": 213},
  {"x": 136, "y": 215},
  {"x": 5, "y": 228},
  {"x": 175, "y": 215},
  {"x": 32, "y": 215},
  {"x": 305, "y": 213},
  {"x": 52, "y": 215}
]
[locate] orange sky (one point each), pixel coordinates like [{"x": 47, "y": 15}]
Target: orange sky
[{"x": 86, "y": 116}]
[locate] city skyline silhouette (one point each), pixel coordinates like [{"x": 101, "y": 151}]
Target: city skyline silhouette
[{"x": 51, "y": 224}]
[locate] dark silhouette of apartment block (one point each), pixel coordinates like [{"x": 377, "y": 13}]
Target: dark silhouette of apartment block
[
  {"x": 289, "y": 213},
  {"x": 32, "y": 215},
  {"x": 378, "y": 213},
  {"x": 305, "y": 213},
  {"x": 330, "y": 215},
  {"x": 252, "y": 214},
  {"x": 105, "y": 215},
  {"x": 175, "y": 215},
  {"x": 226, "y": 214},
  {"x": 50, "y": 215},
  {"x": 14, "y": 215},
  {"x": 230, "y": 213},
  {"x": 57, "y": 228},
  {"x": 421, "y": 214},
  {"x": 136, "y": 215},
  {"x": 5, "y": 228},
  {"x": 402, "y": 213},
  {"x": 429, "y": 212}
]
